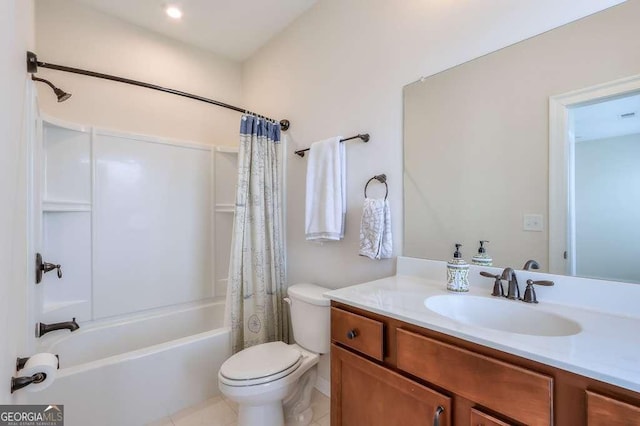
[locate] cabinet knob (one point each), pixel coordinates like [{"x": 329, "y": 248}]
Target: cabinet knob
[
  {"x": 352, "y": 334},
  {"x": 436, "y": 417}
]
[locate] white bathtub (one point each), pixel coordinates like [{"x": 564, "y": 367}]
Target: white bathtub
[{"x": 138, "y": 369}]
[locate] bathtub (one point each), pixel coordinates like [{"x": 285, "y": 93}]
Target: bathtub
[{"x": 140, "y": 368}]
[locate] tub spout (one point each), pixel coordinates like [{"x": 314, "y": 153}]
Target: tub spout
[{"x": 43, "y": 328}]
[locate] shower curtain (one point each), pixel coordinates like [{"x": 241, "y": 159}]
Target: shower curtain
[{"x": 256, "y": 286}]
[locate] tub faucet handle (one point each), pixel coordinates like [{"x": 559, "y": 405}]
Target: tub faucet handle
[
  {"x": 43, "y": 267},
  {"x": 50, "y": 266}
]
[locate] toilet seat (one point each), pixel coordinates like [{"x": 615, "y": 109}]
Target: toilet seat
[{"x": 260, "y": 364}]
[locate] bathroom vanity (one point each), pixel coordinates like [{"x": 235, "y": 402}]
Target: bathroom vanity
[{"x": 399, "y": 358}]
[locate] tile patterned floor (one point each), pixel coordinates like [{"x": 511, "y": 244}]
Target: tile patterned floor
[{"x": 219, "y": 411}]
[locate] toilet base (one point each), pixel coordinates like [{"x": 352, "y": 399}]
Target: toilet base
[
  {"x": 297, "y": 405},
  {"x": 264, "y": 415},
  {"x": 284, "y": 401},
  {"x": 294, "y": 410}
]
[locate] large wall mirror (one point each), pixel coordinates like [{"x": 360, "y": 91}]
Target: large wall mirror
[{"x": 477, "y": 152}]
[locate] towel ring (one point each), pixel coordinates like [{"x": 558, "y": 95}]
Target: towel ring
[{"x": 380, "y": 178}]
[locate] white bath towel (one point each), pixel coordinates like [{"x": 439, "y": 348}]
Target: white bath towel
[
  {"x": 326, "y": 201},
  {"x": 375, "y": 229}
]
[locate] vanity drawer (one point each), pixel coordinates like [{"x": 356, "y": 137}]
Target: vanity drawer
[
  {"x": 520, "y": 394},
  {"x": 357, "y": 332},
  {"x": 478, "y": 418},
  {"x": 605, "y": 411}
]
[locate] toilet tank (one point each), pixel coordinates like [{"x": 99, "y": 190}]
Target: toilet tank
[{"x": 310, "y": 317}]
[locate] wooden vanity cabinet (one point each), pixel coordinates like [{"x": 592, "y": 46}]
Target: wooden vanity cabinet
[
  {"x": 605, "y": 411},
  {"x": 388, "y": 372},
  {"x": 366, "y": 393},
  {"x": 356, "y": 332},
  {"x": 478, "y": 418},
  {"x": 513, "y": 391}
]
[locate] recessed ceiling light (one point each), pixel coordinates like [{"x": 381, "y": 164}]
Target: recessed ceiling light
[{"x": 173, "y": 12}]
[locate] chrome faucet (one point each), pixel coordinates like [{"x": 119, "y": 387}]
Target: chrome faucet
[
  {"x": 42, "y": 328},
  {"x": 513, "y": 290}
]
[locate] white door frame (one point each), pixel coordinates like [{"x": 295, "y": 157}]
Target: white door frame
[{"x": 561, "y": 166}]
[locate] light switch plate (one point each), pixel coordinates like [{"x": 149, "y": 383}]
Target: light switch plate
[{"x": 533, "y": 222}]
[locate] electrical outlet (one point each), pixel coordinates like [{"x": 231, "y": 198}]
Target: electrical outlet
[{"x": 533, "y": 222}]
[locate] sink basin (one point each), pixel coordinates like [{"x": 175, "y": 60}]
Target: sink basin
[{"x": 501, "y": 314}]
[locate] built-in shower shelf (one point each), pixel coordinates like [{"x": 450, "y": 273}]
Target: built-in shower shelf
[
  {"x": 225, "y": 208},
  {"x": 227, "y": 149},
  {"x": 65, "y": 206},
  {"x": 55, "y": 306}
]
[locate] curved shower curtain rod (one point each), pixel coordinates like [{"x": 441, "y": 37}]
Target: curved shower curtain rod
[{"x": 33, "y": 64}]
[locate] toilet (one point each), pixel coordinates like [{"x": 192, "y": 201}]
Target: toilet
[{"x": 272, "y": 382}]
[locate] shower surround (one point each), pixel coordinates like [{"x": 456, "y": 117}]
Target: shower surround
[{"x": 132, "y": 221}]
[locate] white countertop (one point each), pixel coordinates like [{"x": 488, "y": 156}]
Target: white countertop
[{"x": 607, "y": 348}]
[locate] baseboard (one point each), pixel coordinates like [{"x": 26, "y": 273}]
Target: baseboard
[{"x": 323, "y": 386}]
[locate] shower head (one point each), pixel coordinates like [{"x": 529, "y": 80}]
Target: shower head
[{"x": 60, "y": 94}]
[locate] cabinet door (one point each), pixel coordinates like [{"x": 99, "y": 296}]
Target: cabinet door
[
  {"x": 605, "y": 411},
  {"x": 478, "y": 378},
  {"x": 478, "y": 418},
  {"x": 365, "y": 393}
]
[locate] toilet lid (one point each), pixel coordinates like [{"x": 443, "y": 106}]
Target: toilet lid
[{"x": 261, "y": 363}]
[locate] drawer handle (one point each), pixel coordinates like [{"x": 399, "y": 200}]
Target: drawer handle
[
  {"x": 436, "y": 418},
  {"x": 352, "y": 334}
]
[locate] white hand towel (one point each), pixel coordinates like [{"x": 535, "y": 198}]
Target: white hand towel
[
  {"x": 375, "y": 229},
  {"x": 326, "y": 199}
]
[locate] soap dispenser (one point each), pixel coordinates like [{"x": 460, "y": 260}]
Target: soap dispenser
[
  {"x": 482, "y": 258},
  {"x": 457, "y": 272}
]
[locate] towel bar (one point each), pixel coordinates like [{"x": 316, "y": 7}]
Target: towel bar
[{"x": 364, "y": 137}]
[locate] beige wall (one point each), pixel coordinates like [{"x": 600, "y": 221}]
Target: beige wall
[
  {"x": 16, "y": 36},
  {"x": 476, "y": 137},
  {"x": 70, "y": 33},
  {"x": 340, "y": 68}
]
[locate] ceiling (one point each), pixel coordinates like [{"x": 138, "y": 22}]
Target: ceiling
[
  {"x": 235, "y": 29},
  {"x": 604, "y": 119}
]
